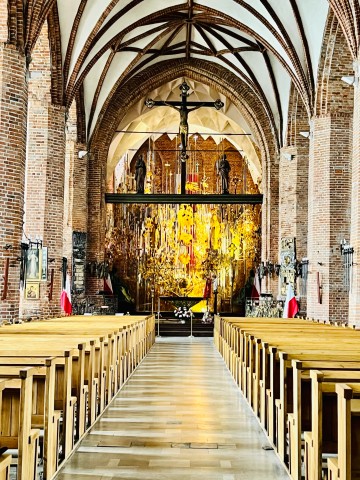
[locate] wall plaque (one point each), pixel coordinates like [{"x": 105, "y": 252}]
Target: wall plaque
[{"x": 79, "y": 262}]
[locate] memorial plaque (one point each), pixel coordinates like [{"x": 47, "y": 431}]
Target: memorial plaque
[{"x": 79, "y": 262}]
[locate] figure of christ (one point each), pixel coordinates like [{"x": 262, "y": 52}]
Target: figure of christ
[
  {"x": 184, "y": 107},
  {"x": 183, "y": 126}
]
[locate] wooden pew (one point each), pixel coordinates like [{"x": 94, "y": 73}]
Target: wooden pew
[
  {"x": 346, "y": 466},
  {"x": 82, "y": 361},
  {"x": 58, "y": 398},
  {"x": 299, "y": 420},
  {"x": 16, "y": 431},
  {"x": 256, "y": 352},
  {"x": 5, "y": 462},
  {"x": 322, "y": 438}
]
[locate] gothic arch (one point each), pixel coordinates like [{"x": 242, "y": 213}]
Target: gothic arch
[
  {"x": 336, "y": 61},
  {"x": 124, "y": 96}
]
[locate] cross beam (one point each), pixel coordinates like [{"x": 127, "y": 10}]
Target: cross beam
[
  {"x": 243, "y": 199},
  {"x": 184, "y": 107}
]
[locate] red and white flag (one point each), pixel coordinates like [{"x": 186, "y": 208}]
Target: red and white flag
[
  {"x": 256, "y": 288},
  {"x": 65, "y": 300},
  {"x": 108, "y": 288},
  {"x": 291, "y": 306}
]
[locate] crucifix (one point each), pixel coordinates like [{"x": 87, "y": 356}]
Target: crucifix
[{"x": 183, "y": 108}]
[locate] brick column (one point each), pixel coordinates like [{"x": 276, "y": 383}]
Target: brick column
[
  {"x": 96, "y": 216},
  {"x": 354, "y": 298},
  {"x": 13, "y": 114},
  {"x": 270, "y": 219},
  {"x": 75, "y": 192},
  {"x": 4, "y": 29},
  {"x": 293, "y": 199},
  {"x": 329, "y": 214},
  {"x": 45, "y": 197}
]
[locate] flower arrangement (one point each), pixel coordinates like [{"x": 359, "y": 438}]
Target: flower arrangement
[{"x": 182, "y": 313}]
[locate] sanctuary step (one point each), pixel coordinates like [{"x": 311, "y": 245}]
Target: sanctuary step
[{"x": 172, "y": 327}]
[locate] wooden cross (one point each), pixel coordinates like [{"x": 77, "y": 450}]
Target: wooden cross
[{"x": 183, "y": 108}]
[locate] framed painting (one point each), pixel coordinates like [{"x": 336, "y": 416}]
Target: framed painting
[
  {"x": 32, "y": 291},
  {"x": 33, "y": 264}
]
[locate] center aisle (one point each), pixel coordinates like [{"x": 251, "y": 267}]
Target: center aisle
[{"x": 180, "y": 416}]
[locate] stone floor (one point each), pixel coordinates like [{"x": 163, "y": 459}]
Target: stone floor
[{"x": 180, "y": 416}]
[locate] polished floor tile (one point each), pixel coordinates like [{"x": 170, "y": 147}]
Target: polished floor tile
[{"x": 179, "y": 417}]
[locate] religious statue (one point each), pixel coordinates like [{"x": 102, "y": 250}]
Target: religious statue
[
  {"x": 140, "y": 174},
  {"x": 224, "y": 169}
]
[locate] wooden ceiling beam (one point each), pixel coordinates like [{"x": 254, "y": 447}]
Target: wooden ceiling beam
[
  {"x": 206, "y": 40},
  {"x": 232, "y": 34}
]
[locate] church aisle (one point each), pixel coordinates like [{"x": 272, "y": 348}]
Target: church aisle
[{"x": 180, "y": 416}]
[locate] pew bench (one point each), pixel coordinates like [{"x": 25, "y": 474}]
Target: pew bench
[
  {"x": 16, "y": 432},
  {"x": 256, "y": 353},
  {"x": 346, "y": 466},
  {"x": 322, "y": 440},
  {"x": 299, "y": 420},
  {"x": 5, "y": 461},
  {"x": 83, "y": 367}
]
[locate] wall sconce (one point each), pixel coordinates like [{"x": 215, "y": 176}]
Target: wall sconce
[
  {"x": 345, "y": 247},
  {"x": 270, "y": 268},
  {"x": 305, "y": 134},
  {"x": 351, "y": 80},
  {"x": 342, "y": 245},
  {"x": 82, "y": 153}
]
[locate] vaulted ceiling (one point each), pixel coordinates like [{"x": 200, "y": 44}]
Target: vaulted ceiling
[
  {"x": 267, "y": 43},
  {"x": 100, "y": 46}
]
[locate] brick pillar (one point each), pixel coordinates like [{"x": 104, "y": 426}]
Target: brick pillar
[
  {"x": 96, "y": 216},
  {"x": 354, "y": 298},
  {"x": 270, "y": 219},
  {"x": 45, "y": 197},
  {"x": 13, "y": 114},
  {"x": 75, "y": 214},
  {"x": 293, "y": 199},
  {"x": 4, "y": 21},
  {"x": 329, "y": 214}
]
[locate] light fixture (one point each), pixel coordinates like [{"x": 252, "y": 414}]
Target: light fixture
[
  {"x": 351, "y": 80},
  {"x": 82, "y": 153},
  {"x": 288, "y": 156},
  {"x": 345, "y": 247},
  {"x": 305, "y": 134}
]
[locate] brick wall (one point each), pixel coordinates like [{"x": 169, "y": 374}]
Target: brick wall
[
  {"x": 13, "y": 108},
  {"x": 44, "y": 206},
  {"x": 329, "y": 214}
]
